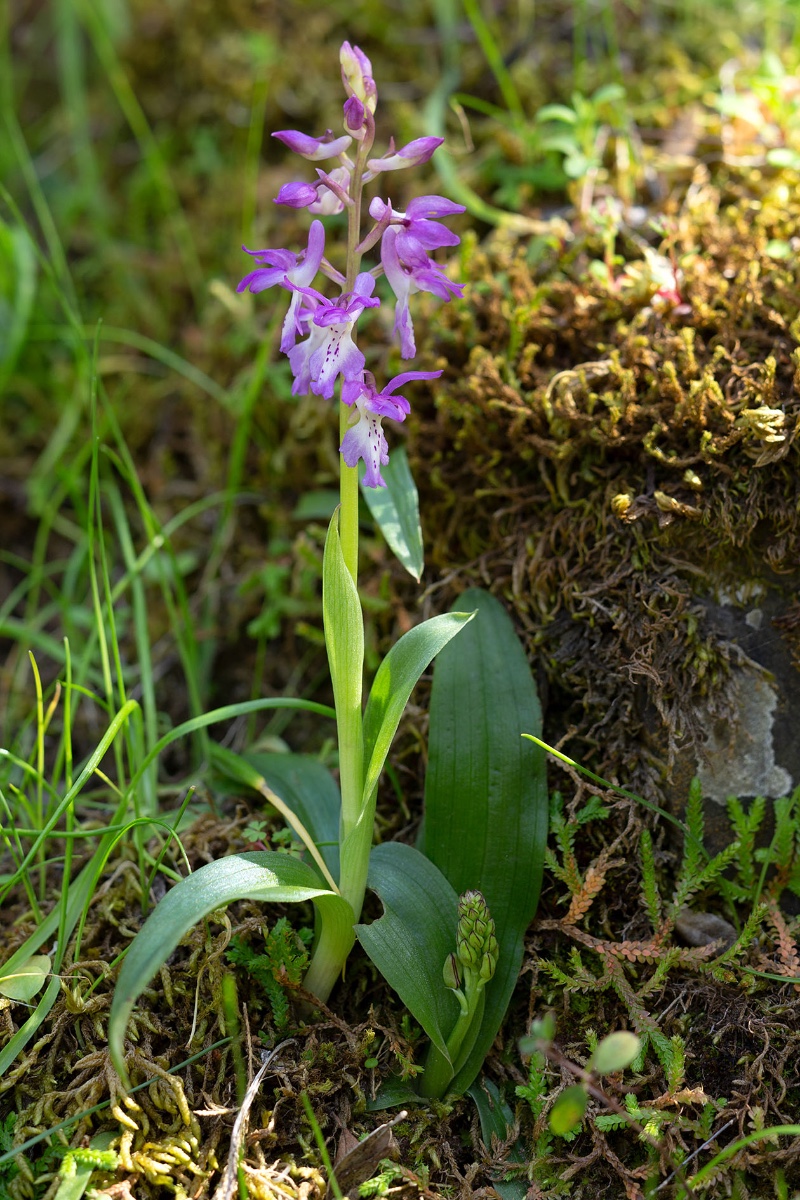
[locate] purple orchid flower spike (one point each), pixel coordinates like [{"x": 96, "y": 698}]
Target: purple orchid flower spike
[
  {"x": 410, "y": 155},
  {"x": 291, "y": 271},
  {"x": 365, "y": 438},
  {"x": 411, "y": 272},
  {"x": 313, "y": 148},
  {"x": 329, "y": 349}
]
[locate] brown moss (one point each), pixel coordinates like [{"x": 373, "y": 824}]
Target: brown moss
[{"x": 606, "y": 460}]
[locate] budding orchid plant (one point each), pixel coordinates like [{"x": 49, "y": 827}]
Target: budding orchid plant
[{"x": 450, "y": 951}]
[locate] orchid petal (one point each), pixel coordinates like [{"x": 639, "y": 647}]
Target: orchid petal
[
  {"x": 314, "y": 149},
  {"x": 423, "y": 208},
  {"x": 410, "y": 155},
  {"x": 367, "y": 440},
  {"x": 297, "y": 195}
]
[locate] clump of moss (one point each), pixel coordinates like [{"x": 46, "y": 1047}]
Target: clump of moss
[{"x": 614, "y": 440}]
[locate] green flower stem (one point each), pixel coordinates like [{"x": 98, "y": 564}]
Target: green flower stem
[
  {"x": 348, "y": 513},
  {"x": 330, "y": 955},
  {"x": 327, "y": 963},
  {"x": 348, "y": 476},
  {"x": 440, "y": 1070},
  {"x": 356, "y": 844},
  {"x": 350, "y": 725}
]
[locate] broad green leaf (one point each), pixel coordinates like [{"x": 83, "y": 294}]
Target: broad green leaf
[
  {"x": 497, "y": 1120},
  {"x": 391, "y": 689},
  {"x": 486, "y": 805},
  {"x": 261, "y": 875},
  {"x": 567, "y": 1112},
  {"x": 417, "y": 931},
  {"x": 26, "y": 979},
  {"x": 310, "y": 789},
  {"x": 615, "y": 1052},
  {"x": 302, "y": 791},
  {"x": 344, "y": 641},
  {"x": 394, "y": 682},
  {"x": 318, "y": 505},
  {"x": 395, "y": 510}
]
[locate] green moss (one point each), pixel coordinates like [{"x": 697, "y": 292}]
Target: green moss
[{"x": 607, "y": 459}]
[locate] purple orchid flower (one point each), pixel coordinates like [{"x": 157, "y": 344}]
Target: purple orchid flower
[
  {"x": 297, "y": 195},
  {"x": 292, "y": 271},
  {"x": 333, "y": 192},
  {"x": 416, "y": 227},
  {"x": 365, "y": 438},
  {"x": 329, "y": 349},
  {"x": 410, "y": 155},
  {"x": 410, "y": 272},
  {"x": 313, "y": 148},
  {"x": 324, "y": 198}
]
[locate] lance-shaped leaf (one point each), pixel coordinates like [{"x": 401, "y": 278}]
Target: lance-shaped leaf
[
  {"x": 412, "y": 939},
  {"x": 497, "y": 1121},
  {"x": 307, "y": 795},
  {"x": 391, "y": 688},
  {"x": 261, "y": 875},
  {"x": 395, "y": 510},
  {"x": 485, "y": 792},
  {"x": 394, "y": 683}
]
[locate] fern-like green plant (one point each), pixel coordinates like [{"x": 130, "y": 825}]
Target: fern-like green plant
[{"x": 283, "y": 960}]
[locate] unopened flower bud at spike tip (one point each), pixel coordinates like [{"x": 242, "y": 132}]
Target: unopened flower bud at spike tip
[
  {"x": 357, "y": 75},
  {"x": 476, "y": 944}
]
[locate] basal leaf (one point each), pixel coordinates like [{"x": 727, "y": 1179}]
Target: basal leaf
[
  {"x": 308, "y": 795},
  {"x": 310, "y": 789},
  {"x": 410, "y": 942},
  {"x": 395, "y": 510},
  {"x": 393, "y": 1093},
  {"x": 497, "y": 1121},
  {"x": 75, "y": 1181},
  {"x": 485, "y": 794},
  {"x": 261, "y": 875}
]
